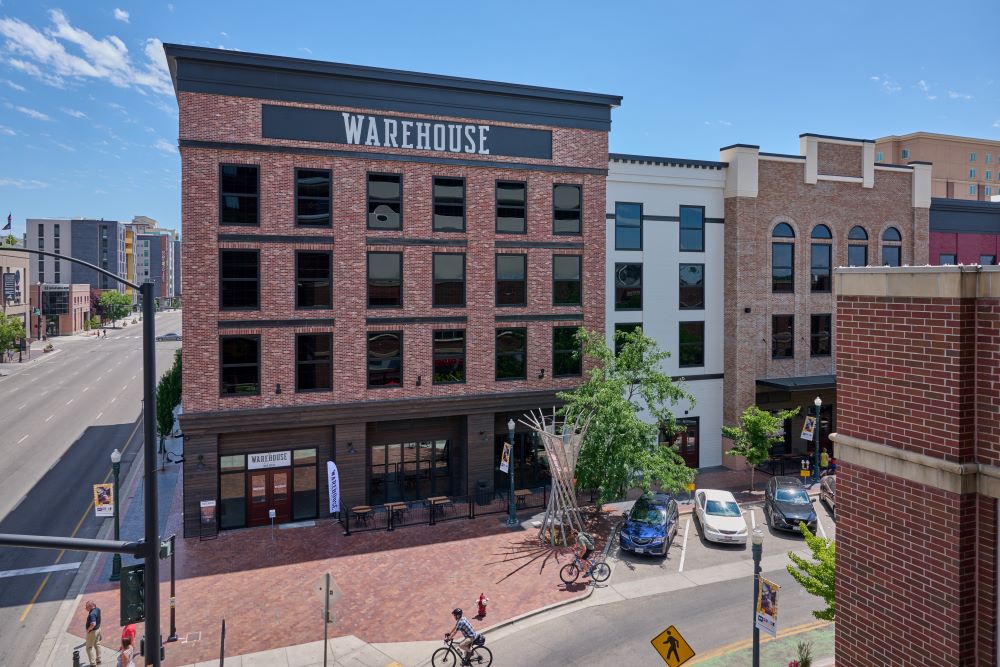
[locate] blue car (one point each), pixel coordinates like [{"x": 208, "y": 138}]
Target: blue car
[{"x": 650, "y": 526}]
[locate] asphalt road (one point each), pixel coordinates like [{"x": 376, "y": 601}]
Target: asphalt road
[{"x": 62, "y": 417}]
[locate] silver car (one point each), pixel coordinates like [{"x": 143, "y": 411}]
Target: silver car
[{"x": 828, "y": 492}]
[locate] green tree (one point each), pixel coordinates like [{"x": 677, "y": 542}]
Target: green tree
[
  {"x": 817, "y": 576},
  {"x": 11, "y": 240},
  {"x": 758, "y": 430},
  {"x": 621, "y": 449},
  {"x": 168, "y": 396},
  {"x": 114, "y": 305},
  {"x": 11, "y": 331}
]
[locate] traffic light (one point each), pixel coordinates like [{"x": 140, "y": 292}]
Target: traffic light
[{"x": 133, "y": 594}]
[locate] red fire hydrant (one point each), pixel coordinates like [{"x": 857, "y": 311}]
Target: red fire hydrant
[{"x": 482, "y": 605}]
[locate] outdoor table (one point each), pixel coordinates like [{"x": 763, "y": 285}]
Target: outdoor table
[
  {"x": 521, "y": 496},
  {"x": 361, "y": 514},
  {"x": 397, "y": 509},
  {"x": 438, "y": 503}
]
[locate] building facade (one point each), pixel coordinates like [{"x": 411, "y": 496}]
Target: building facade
[
  {"x": 385, "y": 267},
  {"x": 54, "y": 236},
  {"x": 98, "y": 242},
  {"x": 59, "y": 309},
  {"x": 16, "y": 297},
  {"x": 964, "y": 232},
  {"x": 177, "y": 268},
  {"x": 964, "y": 167}
]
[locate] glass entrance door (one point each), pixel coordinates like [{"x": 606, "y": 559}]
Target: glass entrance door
[{"x": 268, "y": 490}]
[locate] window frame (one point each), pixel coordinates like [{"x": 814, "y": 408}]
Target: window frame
[
  {"x": 681, "y": 345},
  {"x": 497, "y": 353},
  {"x": 255, "y": 337},
  {"x": 680, "y": 227},
  {"x": 579, "y": 187},
  {"x": 368, "y": 256},
  {"x": 813, "y": 335},
  {"x": 329, "y": 199},
  {"x": 299, "y": 363},
  {"x": 791, "y": 346},
  {"x": 368, "y": 200},
  {"x": 329, "y": 255},
  {"x": 578, "y": 351},
  {"x": 641, "y": 230},
  {"x": 222, "y": 194},
  {"x": 434, "y": 204},
  {"x": 496, "y": 206},
  {"x": 435, "y": 280},
  {"x": 791, "y": 265},
  {"x": 862, "y": 246},
  {"x": 992, "y": 258},
  {"x": 680, "y": 286},
  {"x": 616, "y": 269},
  {"x": 402, "y": 377},
  {"x": 942, "y": 262},
  {"x": 826, "y": 272},
  {"x": 496, "y": 280},
  {"x": 222, "y": 280},
  {"x": 465, "y": 356},
  {"x": 578, "y": 281}
]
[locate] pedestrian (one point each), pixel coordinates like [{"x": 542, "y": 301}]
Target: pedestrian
[
  {"x": 128, "y": 634},
  {"x": 483, "y": 600},
  {"x": 824, "y": 460},
  {"x": 93, "y": 627},
  {"x": 125, "y": 656}
]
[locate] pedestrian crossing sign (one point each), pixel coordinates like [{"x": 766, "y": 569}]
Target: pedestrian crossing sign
[{"x": 672, "y": 647}]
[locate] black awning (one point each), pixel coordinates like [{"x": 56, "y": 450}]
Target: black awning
[{"x": 800, "y": 383}]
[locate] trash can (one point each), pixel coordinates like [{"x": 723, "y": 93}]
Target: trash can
[{"x": 482, "y": 493}]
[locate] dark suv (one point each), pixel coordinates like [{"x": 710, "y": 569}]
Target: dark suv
[
  {"x": 786, "y": 503},
  {"x": 650, "y": 526}
]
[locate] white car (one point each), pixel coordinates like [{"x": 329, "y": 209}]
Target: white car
[{"x": 720, "y": 516}]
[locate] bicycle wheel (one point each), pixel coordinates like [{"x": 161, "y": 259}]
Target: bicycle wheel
[
  {"x": 569, "y": 573},
  {"x": 444, "y": 657},
  {"x": 600, "y": 572},
  {"x": 481, "y": 657}
]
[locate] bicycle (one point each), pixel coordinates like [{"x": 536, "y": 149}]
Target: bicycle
[
  {"x": 597, "y": 570},
  {"x": 449, "y": 655}
]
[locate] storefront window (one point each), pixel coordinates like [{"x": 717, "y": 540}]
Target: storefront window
[
  {"x": 531, "y": 465},
  {"x": 304, "y": 484},
  {"x": 409, "y": 471},
  {"x": 232, "y": 490}
]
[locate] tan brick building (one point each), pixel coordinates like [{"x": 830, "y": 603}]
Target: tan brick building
[{"x": 964, "y": 167}]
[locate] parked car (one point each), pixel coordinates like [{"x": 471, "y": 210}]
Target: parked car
[
  {"x": 169, "y": 337},
  {"x": 786, "y": 503},
  {"x": 650, "y": 526},
  {"x": 720, "y": 517},
  {"x": 828, "y": 492}
]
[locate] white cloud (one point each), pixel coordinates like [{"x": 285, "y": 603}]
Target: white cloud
[
  {"x": 22, "y": 184},
  {"x": 6, "y": 130},
  {"x": 74, "y": 113},
  {"x": 121, "y": 15},
  {"x": 996, "y": 123},
  {"x": 958, "y": 96},
  {"x": 16, "y": 86},
  {"x": 165, "y": 146},
  {"x": 888, "y": 85},
  {"x": 65, "y": 147},
  {"x": 224, "y": 34},
  {"x": 926, "y": 90},
  {"x": 305, "y": 49},
  {"x": 33, "y": 113}
]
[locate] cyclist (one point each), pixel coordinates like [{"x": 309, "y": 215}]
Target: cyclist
[
  {"x": 584, "y": 545},
  {"x": 462, "y": 625}
]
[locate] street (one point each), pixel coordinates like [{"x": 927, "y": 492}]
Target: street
[{"x": 63, "y": 416}]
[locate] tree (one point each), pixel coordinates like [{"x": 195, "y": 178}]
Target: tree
[
  {"x": 621, "y": 449},
  {"x": 11, "y": 331},
  {"x": 114, "y": 305},
  {"x": 11, "y": 240},
  {"x": 758, "y": 430},
  {"x": 817, "y": 576},
  {"x": 168, "y": 396}
]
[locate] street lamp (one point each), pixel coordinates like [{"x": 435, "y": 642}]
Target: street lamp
[
  {"x": 818, "y": 403},
  {"x": 757, "y": 540},
  {"x": 116, "y": 560},
  {"x": 511, "y": 506}
]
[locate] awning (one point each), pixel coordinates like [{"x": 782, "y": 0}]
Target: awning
[{"x": 800, "y": 383}]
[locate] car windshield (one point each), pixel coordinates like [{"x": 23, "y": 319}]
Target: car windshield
[
  {"x": 793, "y": 496},
  {"x": 722, "y": 508},
  {"x": 643, "y": 513}
]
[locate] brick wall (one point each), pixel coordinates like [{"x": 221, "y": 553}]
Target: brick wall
[
  {"x": 838, "y": 159},
  {"x": 987, "y": 390}
]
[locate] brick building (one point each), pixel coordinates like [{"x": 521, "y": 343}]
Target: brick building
[
  {"x": 964, "y": 167},
  {"x": 383, "y": 267},
  {"x": 918, "y": 442},
  {"x": 964, "y": 232},
  {"x": 62, "y": 309},
  {"x": 16, "y": 300}
]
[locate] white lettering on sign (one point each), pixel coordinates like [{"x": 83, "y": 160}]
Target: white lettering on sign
[
  {"x": 448, "y": 137},
  {"x": 269, "y": 460}
]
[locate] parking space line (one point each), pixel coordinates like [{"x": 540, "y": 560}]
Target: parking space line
[
  {"x": 23, "y": 438},
  {"x": 49, "y": 418},
  {"x": 684, "y": 544},
  {"x": 753, "y": 519},
  {"x": 819, "y": 522}
]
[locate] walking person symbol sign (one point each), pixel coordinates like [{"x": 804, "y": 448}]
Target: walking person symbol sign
[{"x": 672, "y": 647}]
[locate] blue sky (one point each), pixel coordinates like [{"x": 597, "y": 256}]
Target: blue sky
[{"x": 88, "y": 121}]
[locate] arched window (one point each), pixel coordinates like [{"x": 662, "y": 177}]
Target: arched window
[
  {"x": 892, "y": 234},
  {"x": 821, "y": 232},
  {"x": 857, "y": 253},
  {"x": 820, "y": 260},
  {"x": 783, "y": 231},
  {"x": 783, "y": 259},
  {"x": 892, "y": 247},
  {"x": 858, "y": 233}
]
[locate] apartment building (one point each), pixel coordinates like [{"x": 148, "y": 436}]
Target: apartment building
[{"x": 964, "y": 167}]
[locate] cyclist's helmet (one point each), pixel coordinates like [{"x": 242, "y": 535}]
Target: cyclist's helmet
[{"x": 456, "y": 612}]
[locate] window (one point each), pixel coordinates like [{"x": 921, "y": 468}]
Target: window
[
  {"x": 313, "y": 362},
  {"x": 449, "y": 279},
  {"x": 385, "y": 279},
  {"x": 782, "y": 267},
  {"x": 385, "y": 358},
  {"x": 972, "y": 190},
  {"x": 857, "y": 253},
  {"x": 857, "y": 233},
  {"x": 819, "y": 335},
  {"x": 988, "y": 159},
  {"x": 512, "y": 207},
  {"x": 566, "y": 353},
  {"x": 692, "y": 287},
  {"x": 892, "y": 247},
  {"x": 512, "y": 283},
  {"x": 989, "y": 191},
  {"x": 692, "y": 229},
  {"x": 621, "y": 330},
  {"x": 449, "y": 204},
  {"x": 628, "y": 226},
  {"x": 691, "y": 344},
  {"x": 984, "y": 260},
  {"x": 312, "y": 198},
  {"x": 239, "y": 274},
  {"x": 782, "y": 336},
  {"x": 566, "y": 280},
  {"x": 946, "y": 259},
  {"x": 879, "y": 157},
  {"x": 820, "y": 262},
  {"x": 989, "y": 175},
  {"x": 511, "y": 357},
  {"x": 239, "y": 372},
  {"x": 385, "y": 201},
  {"x": 906, "y": 153},
  {"x": 238, "y": 194},
  {"x": 972, "y": 173},
  {"x": 449, "y": 356},
  {"x": 567, "y": 206},
  {"x": 821, "y": 232},
  {"x": 972, "y": 157},
  {"x": 628, "y": 286},
  {"x": 313, "y": 279}
]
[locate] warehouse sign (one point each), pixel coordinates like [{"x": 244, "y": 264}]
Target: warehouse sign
[
  {"x": 269, "y": 460},
  {"x": 395, "y": 132}
]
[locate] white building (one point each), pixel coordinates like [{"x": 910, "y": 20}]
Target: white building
[{"x": 665, "y": 236}]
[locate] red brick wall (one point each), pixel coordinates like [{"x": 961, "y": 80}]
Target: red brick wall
[
  {"x": 987, "y": 392},
  {"x": 838, "y": 159},
  {"x": 967, "y": 247}
]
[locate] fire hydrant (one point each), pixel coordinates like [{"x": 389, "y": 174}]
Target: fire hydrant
[{"x": 482, "y": 605}]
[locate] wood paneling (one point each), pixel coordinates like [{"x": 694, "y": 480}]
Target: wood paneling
[
  {"x": 201, "y": 479},
  {"x": 480, "y": 450},
  {"x": 353, "y": 468}
]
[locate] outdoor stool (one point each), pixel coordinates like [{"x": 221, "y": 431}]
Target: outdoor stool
[{"x": 361, "y": 514}]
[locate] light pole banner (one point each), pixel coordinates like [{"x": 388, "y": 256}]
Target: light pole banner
[
  {"x": 767, "y": 607},
  {"x": 104, "y": 500},
  {"x": 505, "y": 458},
  {"x": 333, "y": 486},
  {"x": 809, "y": 428}
]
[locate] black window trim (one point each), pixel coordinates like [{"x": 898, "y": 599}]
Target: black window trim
[
  {"x": 829, "y": 269},
  {"x": 329, "y": 255},
  {"x": 496, "y": 279},
  {"x": 813, "y": 335},
  {"x": 368, "y": 258},
  {"x": 578, "y": 280},
  {"x": 260, "y": 372},
  {"x": 256, "y": 166},
  {"x": 578, "y": 186},
  {"x": 221, "y": 280},
  {"x": 465, "y": 282},
  {"x": 641, "y": 226},
  {"x": 329, "y": 334},
  {"x": 578, "y": 350},
  {"x": 368, "y": 200},
  {"x": 465, "y": 356},
  {"x": 792, "y": 245},
  {"x": 496, "y": 355},
  {"x": 402, "y": 377},
  {"x": 329, "y": 198},
  {"x": 680, "y": 266},
  {"x": 680, "y": 216},
  {"x": 496, "y": 206},
  {"x": 792, "y": 316},
  {"x": 641, "y": 287},
  {"x": 465, "y": 205},
  {"x": 863, "y": 246},
  {"x": 680, "y": 325}
]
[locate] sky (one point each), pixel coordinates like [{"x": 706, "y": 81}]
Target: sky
[{"x": 88, "y": 118}]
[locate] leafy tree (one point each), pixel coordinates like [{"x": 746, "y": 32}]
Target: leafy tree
[
  {"x": 11, "y": 240},
  {"x": 817, "y": 576},
  {"x": 757, "y": 431},
  {"x": 114, "y": 305},
  {"x": 620, "y": 448},
  {"x": 11, "y": 331},
  {"x": 168, "y": 396}
]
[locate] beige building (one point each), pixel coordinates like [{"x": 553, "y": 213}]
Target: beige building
[
  {"x": 964, "y": 168},
  {"x": 14, "y": 296}
]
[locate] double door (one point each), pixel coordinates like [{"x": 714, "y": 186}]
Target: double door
[{"x": 269, "y": 490}]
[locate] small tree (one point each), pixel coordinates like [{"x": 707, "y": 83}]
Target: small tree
[
  {"x": 11, "y": 331},
  {"x": 114, "y": 305},
  {"x": 11, "y": 240},
  {"x": 817, "y": 576},
  {"x": 168, "y": 396},
  {"x": 757, "y": 431}
]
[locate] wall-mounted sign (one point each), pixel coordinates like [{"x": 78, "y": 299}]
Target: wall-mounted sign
[
  {"x": 355, "y": 129},
  {"x": 269, "y": 460},
  {"x": 12, "y": 288},
  {"x": 207, "y": 511}
]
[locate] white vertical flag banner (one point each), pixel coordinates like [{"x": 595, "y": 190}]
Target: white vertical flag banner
[{"x": 333, "y": 485}]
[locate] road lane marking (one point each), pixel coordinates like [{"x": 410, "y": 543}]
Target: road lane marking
[
  {"x": 135, "y": 376},
  {"x": 114, "y": 398},
  {"x": 99, "y": 415},
  {"x": 49, "y": 417},
  {"x": 23, "y": 406},
  {"x": 684, "y": 545},
  {"x": 40, "y": 570},
  {"x": 819, "y": 524},
  {"x": 70, "y": 401},
  {"x": 23, "y": 438},
  {"x": 88, "y": 388},
  {"x": 746, "y": 643},
  {"x": 125, "y": 386},
  {"x": 753, "y": 520}
]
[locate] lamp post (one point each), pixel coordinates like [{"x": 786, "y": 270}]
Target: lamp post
[
  {"x": 511, "y": 507},
  {"x": 116, "y": 560},
  {"x": 818, "y": 403},
  {"x": 757, "y": 541}
]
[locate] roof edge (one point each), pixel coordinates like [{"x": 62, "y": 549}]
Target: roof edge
[{"x": 666, "y": 161}]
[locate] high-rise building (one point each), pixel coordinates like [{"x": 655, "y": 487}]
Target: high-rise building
[{"x": 97, "y": 242}]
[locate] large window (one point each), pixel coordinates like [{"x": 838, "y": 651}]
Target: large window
[
  {"x": 566, "y": 280},
  {"x": 512, "y": 207},
  {"x": 313, "y": 279},
  {"x": 819, "y": 335},
  {"x": 512, "y": 282},
  {"x": 628, "y": 286},
  {"x": 820, "y": 267},
  {"x": 511, "y": 354},
  {"x": 312, "y": 197},
  {"x": 984, "y": 260},
  {"x": 622, "y": 330},
  {"x": 691, "y": 344},
  {"x": 239, "y": 365},
  {"x": 385, "y": 201},
  {"x": 782, "y": 336},
  {"x": 567, "y": 209},
  {"x": 566, "y": 354},
  {"x": 313, "y": 362},
  {"x": 385, "y": 358},
  {"x": 947, "y": 259},
  {"x": 692, "y": 287},
  {"x": 404, "y": 471},
  {"x": 304, "y": 498},
  {"x": 692, "y": 229},
  {"x": 449, "y": 279},
  {"x": 239, "y": 278},
  {"x": 239, "y": 187},
  {"x": 628, "y": 226},
  {"x": 857, "y": 248},
  {"x": 385, "y": 279},
  {"x": 449, "y": 204},
  {"x": 892, "y": 249},
  {"x": 783, "y": 260},
  {"x": 449, "y": 356}
]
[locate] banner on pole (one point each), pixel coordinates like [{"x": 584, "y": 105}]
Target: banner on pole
[
  {"x": 505, "y": 458},
  {"x": 767, "y": 607},
  {"x": 333, "y": 486},
  {"x": 809, "y": 428},
  {"x": 104, "y": 500}
]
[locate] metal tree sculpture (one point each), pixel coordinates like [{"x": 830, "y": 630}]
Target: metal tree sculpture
[{"x": 562, "y": 449}]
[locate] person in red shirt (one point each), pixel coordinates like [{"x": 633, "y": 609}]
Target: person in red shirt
[{"x": 129, "y": 632}]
